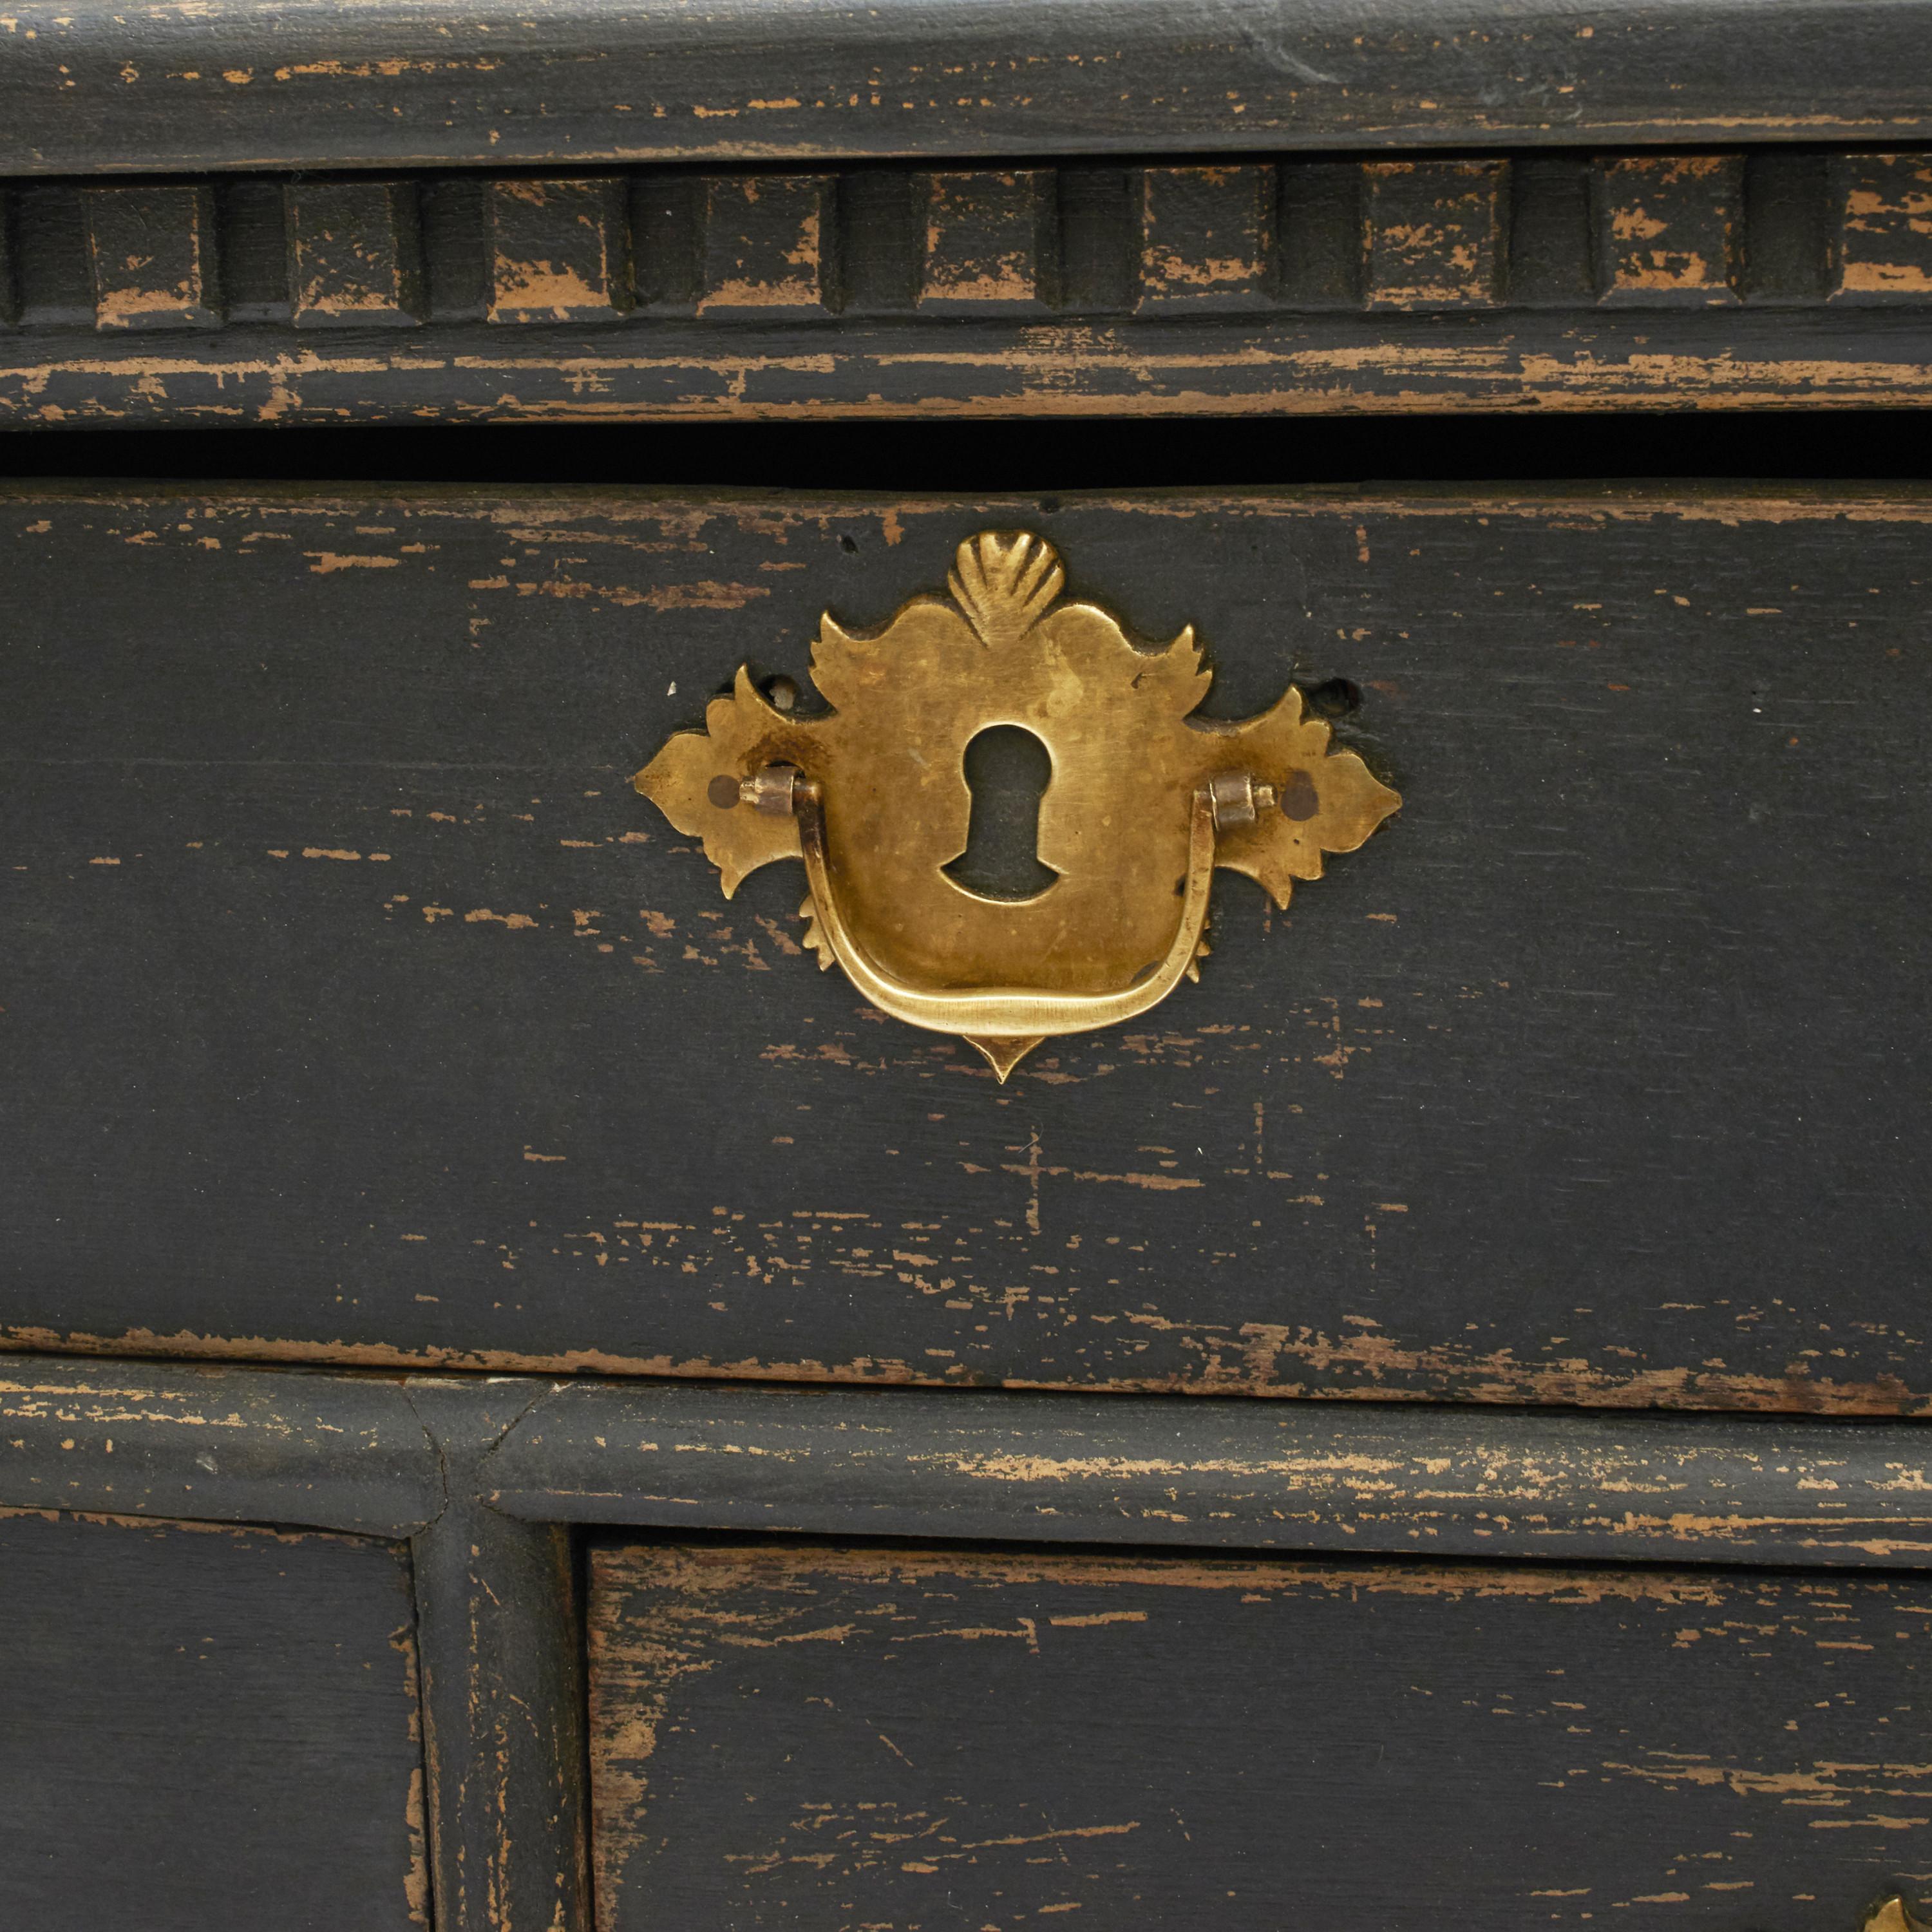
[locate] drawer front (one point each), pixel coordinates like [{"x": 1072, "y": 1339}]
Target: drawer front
[
  {"x": 885, "y": 1738},
  {"x": 204, "y": 1725},
  {"x": 360, "y": 1011}
]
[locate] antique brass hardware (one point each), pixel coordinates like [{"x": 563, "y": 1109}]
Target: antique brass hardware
[
  {"x": 1144, "y": 800},
  {"x": 1892, "y": 1914}
]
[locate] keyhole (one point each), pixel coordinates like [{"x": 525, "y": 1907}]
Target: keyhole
[{"x": 1007, "y": 771}]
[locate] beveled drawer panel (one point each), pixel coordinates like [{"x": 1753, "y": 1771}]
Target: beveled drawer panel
[
  {"x": 360, "y": 1011},
  {"x": 851, "y": 1736}
]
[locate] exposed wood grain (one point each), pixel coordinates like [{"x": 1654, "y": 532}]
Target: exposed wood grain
[
  {"x": 206, "y": 1727},
  {"x": 820, "y": 1736},
  {"x": 767, "y": 242},
  {"x": 252, "y": 83},
  {"x": 340, "y": 1451},
  {"x": 1208, "y": 1473},
  {"x": 388, "y": 1025},
  {"x": 1206, "y": 236},
  {"x": 1387, "y": 365},
  {"x": 1435, "y": 234},
  {"x": 216, "y": 1445}
]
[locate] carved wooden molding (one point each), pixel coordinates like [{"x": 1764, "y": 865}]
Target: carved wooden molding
[
  {"x": 1388, "y": 237},
  {"x": 1570, "y": 279}
]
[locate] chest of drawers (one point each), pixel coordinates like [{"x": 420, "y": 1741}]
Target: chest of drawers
[{"x": 527, "y": 1405}]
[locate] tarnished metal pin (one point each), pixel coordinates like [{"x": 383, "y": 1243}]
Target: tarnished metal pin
[
  {"x": 772, "y": 789},
  {"x": 1233, "y": 796}
]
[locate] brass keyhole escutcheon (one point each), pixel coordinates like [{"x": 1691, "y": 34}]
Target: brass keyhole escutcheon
[
  {"x": 1007, "y": 770},
  {"x": 963, "y": 884}
]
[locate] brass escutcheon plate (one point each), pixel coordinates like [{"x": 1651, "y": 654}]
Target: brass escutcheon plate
[{"x": 1144, "y": 800}]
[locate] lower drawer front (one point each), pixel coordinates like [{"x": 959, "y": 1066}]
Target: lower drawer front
[
  {"x": 854, "y": 1737},
  {"x": 208, "y": 1727}
]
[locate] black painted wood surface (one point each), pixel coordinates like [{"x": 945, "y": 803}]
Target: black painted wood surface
[
  {"x": 293, "y": 1446},
  {"x": 814, "y": 1737},
  {"x": 1584, "y": 280},
  {"x": 218, "y": 1445},
  {"x": 249, "y": 83},
  {"x": 501, "y": 1634},
  {"x": 206, "y": 1727},
  {"x": 361, "y": 1012},
  {"x": 1217, "y": 1474}
]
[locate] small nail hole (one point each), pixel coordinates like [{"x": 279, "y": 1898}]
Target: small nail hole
[
  {"x": 1335, "y": 698},
  {"x": 847, "y": 544}
]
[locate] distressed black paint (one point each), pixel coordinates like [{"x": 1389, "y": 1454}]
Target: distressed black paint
[
  {"x": 389, "y": 1024},
  {"x": 840, "y": 1736},
  {"x": 1595, "y": 280},
  {"x": 203, "y": 1727},
  {"x": 1196, "y": 1472},
  {"x": 219, "y": 1445},
  {"x": 250, "y": 83}
]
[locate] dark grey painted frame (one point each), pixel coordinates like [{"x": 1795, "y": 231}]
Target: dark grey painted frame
[
  {"x": 259, "y": 83},
  {"x": 487, "y": 1476}
]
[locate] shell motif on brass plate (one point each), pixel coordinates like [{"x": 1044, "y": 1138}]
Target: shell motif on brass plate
[{"x": 1144, "y": 799}]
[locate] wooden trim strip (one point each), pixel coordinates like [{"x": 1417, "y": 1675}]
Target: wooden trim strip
[
  {"x": 238, "y": 84},
  {"x": 215, "y": 1445},
  {"x": 1221, "y": 365},
  {"x": 1224, "y": 1475},
  {"x": 498, "y": 1637},
  {"x": 380, "y": 1455}
]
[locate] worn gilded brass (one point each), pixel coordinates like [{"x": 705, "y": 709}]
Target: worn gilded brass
[
  {"x": 1144, "y": 800},
  {"x": 1893, "y": 1915}
]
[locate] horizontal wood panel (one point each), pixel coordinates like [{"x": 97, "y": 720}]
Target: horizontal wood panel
[
  {"x": 250, "y": 83},
  {"x": 206, "y": 1727},
  {"x": 1586, "y": 280},
  {"x": 820, "y": 1736},
  {"x": 362, "y": 1012}
]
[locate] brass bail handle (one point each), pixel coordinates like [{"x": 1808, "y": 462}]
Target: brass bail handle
[{"x": 1007, "y": 1013}]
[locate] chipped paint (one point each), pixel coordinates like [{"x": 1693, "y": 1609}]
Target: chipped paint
[
  {"x": 1885, "y": 246},
  {"x": 765, "y": 250},
  {"x": 1669, "y": 226},
  {"x": 1274, "y": 1270},
  {"x": 1434, "y": 233},
  {"x": 861, "y": 1671}
]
